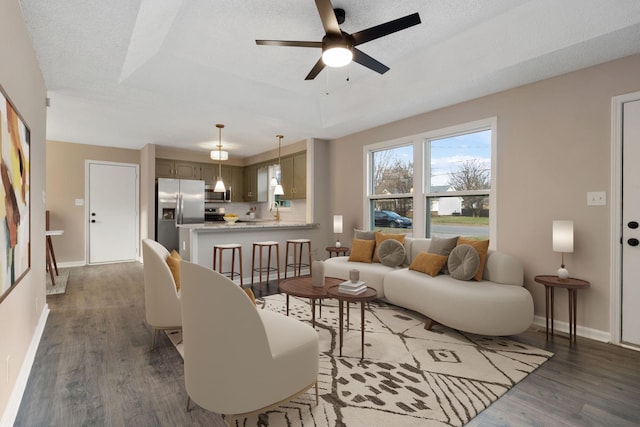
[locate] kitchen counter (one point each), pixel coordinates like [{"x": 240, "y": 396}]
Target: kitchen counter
[
  {"x": 196, "y": 240},
  {"x": 244, "y": 225}
]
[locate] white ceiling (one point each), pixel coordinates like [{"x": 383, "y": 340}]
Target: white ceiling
[{"x": 126, "y": 73}]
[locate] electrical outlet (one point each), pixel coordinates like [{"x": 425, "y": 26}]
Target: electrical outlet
[{"x": 596, "y": 198}]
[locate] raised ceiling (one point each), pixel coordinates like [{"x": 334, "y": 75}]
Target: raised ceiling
[{"x": 126, "y": 73}]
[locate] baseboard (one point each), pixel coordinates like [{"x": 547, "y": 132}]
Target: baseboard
[
  {"x": 70, "y": 264},
  {"x": 581, "y": 331},
  {"x": 11, "y": 411}
]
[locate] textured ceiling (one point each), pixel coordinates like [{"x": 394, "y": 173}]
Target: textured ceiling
[{"x": 126, "y": 73}]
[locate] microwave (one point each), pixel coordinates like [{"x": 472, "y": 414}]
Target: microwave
[{"x": 212, "y": 197}]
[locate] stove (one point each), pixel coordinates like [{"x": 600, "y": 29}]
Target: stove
[{"x": 213, "y": 214}]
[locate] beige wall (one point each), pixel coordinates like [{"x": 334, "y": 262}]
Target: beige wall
[
  {"x": 66, "y": 183},
  {"x": 23, "y": 310},
  {"x": 553, "y": 147}
]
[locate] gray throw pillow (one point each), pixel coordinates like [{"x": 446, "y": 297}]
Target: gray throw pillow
[
  {"x": 463, "y": 262},
  {"x": 441, "y": 246},
  {"x": 364, "y": 234},
  {"x": 391, "y": 253}
]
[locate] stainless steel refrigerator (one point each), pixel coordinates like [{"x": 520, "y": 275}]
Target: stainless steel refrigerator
[{"x": 178, "y": 201}]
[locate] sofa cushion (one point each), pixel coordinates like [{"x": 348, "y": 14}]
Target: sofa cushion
[
  {"x": 482, "y": 246},
  {"x": 173, "y": 261},
  {"x": 364, "y": 234},
  {"x": 442, "y": 246},
  {"x": 391, "y": 253},
  {"x": 362, "y": 250},
  {"x": 463, "y": 262},
  {"x": 428, "y": 263},
  {"x": 381, "y": 237}
]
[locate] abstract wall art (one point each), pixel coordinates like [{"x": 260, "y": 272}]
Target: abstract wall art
[{"x": 15, "y": 206}]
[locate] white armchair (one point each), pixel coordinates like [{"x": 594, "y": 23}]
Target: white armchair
[
  {"x": 238, "y": 359},
  {"x": 161, "y": 299}
]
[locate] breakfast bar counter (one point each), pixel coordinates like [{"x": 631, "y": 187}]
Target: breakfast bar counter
[{"x": 196, "y": 240}]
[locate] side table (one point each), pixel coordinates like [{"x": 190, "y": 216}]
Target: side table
[
  {"x": 341, "y": 251},
  {"x": 572, "y": 285},
  {"x": 368, "y": 295}
]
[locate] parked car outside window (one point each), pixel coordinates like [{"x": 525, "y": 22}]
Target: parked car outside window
[{"x": 391, "y": 219}]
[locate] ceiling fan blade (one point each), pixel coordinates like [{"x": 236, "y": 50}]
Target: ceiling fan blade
[
  {"x": 288, "y": 43},
  {"x": 315, "y": 70},
  {"x": 363, "y": 59},
  {"x": 385, "y": 29},
  {"x": 328, "y": 17}
]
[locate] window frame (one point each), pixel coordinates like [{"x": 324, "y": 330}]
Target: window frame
[{"x": 420, "y": 143}]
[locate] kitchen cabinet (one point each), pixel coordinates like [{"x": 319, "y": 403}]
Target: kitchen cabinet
[
  {"x": 294, "y": 176},
  {"x": 250, "y": 183},
  {"x": 209, "y": 173},
  {"x": 166, "y": 168}
]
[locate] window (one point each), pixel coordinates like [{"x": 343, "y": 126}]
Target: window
[
  {"x": 449, "y": 192},
  {"x": 458, "y": 187},
  {"x": 391, "y": 189}
]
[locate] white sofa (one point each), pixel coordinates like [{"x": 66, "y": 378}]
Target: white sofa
[{"x": 498, "y": 305}]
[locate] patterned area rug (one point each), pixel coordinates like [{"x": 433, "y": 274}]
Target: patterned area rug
[
  {"x": 61, "y": 282},
  {"x": 409, "y": 376}
]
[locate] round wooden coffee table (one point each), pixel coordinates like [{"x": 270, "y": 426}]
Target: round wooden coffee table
[
  {"x": 368, "y": 295},
  {"x": 300, "y": 286}
]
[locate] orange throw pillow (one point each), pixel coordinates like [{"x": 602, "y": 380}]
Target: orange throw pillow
[
  {"x": 428, "y": 263},
  {"x": 482, "y": 246},
  {"x": 173, "y": 261},
  {"x": 381, "y": 237},
  {"x": 362, "y": 250}
]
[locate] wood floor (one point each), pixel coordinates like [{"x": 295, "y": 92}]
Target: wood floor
[{"x": 94, "y": 367}]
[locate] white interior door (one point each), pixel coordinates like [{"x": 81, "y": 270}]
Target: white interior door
[
  {"x": 630, "y": 294},
  {"x": 112, "y": 212}
]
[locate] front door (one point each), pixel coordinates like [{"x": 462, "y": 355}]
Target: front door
[
  {"x": 112, "y": 212},
  {"x": 630, "y": 294}
]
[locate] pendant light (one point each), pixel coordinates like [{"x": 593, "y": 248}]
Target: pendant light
[
  {"x": 219, "y": 188},
  {"x": 279, "y": 191}
]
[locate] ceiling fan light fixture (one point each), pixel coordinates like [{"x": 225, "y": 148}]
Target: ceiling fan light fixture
[{"x": 337, "y": 56}]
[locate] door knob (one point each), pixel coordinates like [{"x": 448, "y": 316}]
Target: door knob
[
  {"x": 633, "y": 241},
  {"x": 632, "y": 225}
]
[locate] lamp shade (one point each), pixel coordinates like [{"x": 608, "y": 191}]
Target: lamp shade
[
  {"x": 337, "y": 224},
  {"x": 219, "y": 155},
  {"x": 563, "y": 236},
  {"x": 219, "y": 188},
  {"x": 278, "y": 191}
]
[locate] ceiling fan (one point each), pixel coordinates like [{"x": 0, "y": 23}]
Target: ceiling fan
[{"x": 339, "y": 47}]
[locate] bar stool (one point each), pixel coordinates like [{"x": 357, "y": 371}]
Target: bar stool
[
  {"x": 219, "y": 250},
  {"x": 268, "y": 269},
  {"x": 298, "y": 245}
]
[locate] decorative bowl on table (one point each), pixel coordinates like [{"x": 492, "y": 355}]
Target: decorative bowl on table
[{"x": 230, "y": 218}]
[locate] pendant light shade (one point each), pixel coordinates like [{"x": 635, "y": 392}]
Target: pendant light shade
[
  {"x": 278, "y": 191},
  {"x": 219, "y": 188},
  {"x": 219, "y": 155}
]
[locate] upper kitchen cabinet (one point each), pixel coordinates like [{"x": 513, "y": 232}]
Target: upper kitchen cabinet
[
  {"x": 166, "y": 168},
  {"x": 208, "y": 173},
  {"x": 235, "y": 175},
  {"x": 250, "y": 183},
  {"x": 294, "y": 176}
]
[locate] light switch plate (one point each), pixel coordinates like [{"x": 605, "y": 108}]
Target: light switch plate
[{"x": 596, "y": 198}]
